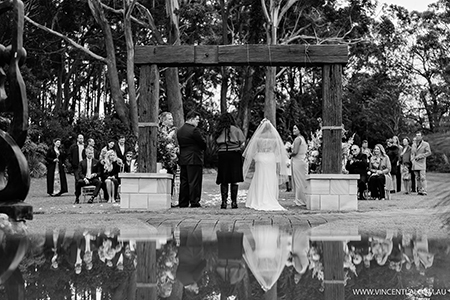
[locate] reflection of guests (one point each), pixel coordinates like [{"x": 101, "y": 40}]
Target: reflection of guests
[
  {"x": 299, "y": 253},
  {"x": 192, "y": 145},
  {"x": 88, "y": 174},
  {"x": 230, "y": 264},
  {"x": 419, "y": 153},
  {"x": 357, "y": 164},
  {"x": 74, "y": 253},
  {"x": 423, "y": 259},
  {"x": 299, "y": 166},
  {"x": 56, "y": 176},
  {"x": 266, "y": 253},
  {"x": 266, "y": 150},
  {"x": 53, "y": 246},
  {"x": 230, "y": 140},
  {"x": 379, "y": 168},
  {"x": 109, "y": 173},
  {"x": 191, "y": 259},
  {"x": 405, "y": 165}
]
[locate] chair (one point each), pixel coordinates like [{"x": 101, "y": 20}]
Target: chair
[{"x": 88, "y": 190}]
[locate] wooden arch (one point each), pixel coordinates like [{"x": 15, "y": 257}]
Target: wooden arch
[{"x": 331, "y": 58}]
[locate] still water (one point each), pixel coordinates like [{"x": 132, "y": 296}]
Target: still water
[{"x": 258, "y": 262}]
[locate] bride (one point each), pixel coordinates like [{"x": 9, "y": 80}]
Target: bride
[{"x": 266, "y": 150}]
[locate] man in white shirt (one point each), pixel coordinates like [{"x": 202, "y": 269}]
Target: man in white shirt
[
  {"x": 76, "y": 153},
  {"x": 88, "y": 174}
]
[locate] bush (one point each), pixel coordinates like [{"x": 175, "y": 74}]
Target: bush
[
  {"x": 35, "y": 155},
  {"x": 438, "y": 162}
]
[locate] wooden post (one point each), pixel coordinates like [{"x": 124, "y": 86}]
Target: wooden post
[
  {"x": 148, "y": 118},
  {"x": 332, "y": 119},
  {"x": 333, "y": 263},
  {"x": 146, "y": 270}
]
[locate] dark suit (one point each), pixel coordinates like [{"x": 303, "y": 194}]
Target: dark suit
[
  {"x": 51, "y": 166},
  {"x": 81, "y": 175},
  {"x": 358, "y": 165},
  {"x": 74, "y": 157},
  {"x": 119, "y": 152},
  {"x": 192, "y": 145}
]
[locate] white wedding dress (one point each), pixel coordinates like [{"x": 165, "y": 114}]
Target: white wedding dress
[{"x": 263, "y": 191}]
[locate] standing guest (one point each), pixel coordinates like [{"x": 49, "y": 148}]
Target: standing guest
[
  {"x": 76, "y": 153},
  {"x": 192, "y": 146},
  {"x": 88, "y": 174},
  {"x": 230, "y": 140},
  {"x": 379, "y": 168},
  {"x": 111, "y": 145},
  {"x": 419, "y": 153},
  {"x": 120, "y": 148},
  {"x": 288, "y": 146},
  {"x": 357, "y": 164},
  {"x": 91, "y": 143},
  {"x": 413, "y": 175},
  {"x": 396, "y": 141},
  {"x": 365, "y": 149},
  {"x": 109, "y": 173},
  {"x": 166, "y": 131},
  {"x": 130, "y": 164},
  {"x": 406, "y": 164},
  {"x": 56, "y": 177},
  {"x": 393, "y": 152},
  {"x": 299, "y": 166}
]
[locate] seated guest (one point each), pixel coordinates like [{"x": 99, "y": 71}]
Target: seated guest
[
  {"x": 130, "y": 164},
  {"x": 357, "y": 164},
  {"x": 88, "y": 174},
  {"x": 379, "y": 173},
  {"x": 110, "y": 170},
  {"x": 91, "y": 143}
]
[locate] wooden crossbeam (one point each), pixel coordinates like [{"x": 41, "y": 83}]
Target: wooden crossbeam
[{"x": 231, "y": 55}]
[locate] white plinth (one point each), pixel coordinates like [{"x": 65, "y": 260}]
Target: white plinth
[
  {"x": 145, "y": 191},
  {"x": 332, "y": 192}
]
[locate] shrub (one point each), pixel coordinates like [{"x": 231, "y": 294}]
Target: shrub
[{"x": 35, "y": 155}]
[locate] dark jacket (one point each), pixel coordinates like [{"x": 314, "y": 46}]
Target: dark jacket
[
  {"x": 192, "y": 145},
  {"x": 74, "y": 157},
  {"x": 394, "y": 154},
  {"x": 82, "y": 168},
  {"x": 357, "y": 165},
  {"x": 51, "y": 166}
]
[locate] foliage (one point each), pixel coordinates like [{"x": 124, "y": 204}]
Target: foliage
[
  {"x": 167, "y": 153},
  {"x": 35, "y": 155}
]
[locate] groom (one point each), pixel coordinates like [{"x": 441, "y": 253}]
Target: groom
[{"x": 192, "y": 145}]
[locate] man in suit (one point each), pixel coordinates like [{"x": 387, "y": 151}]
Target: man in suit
[
  {"x": 120, "y": 148},
  {"x": 192, "y": 145},
  {"x": 88, "y": 174},
  {"x": 76, "y": 153},
  {"x": 419, "y": 152},
  {"x": 91, "y": 143},
  {"x": 357, "y": 164}
]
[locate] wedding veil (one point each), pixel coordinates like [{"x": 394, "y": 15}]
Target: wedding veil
[{"x": 267, "y": 139}]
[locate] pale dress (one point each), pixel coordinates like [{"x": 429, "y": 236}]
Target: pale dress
[
  {"x": 263, "y": 191},
  {"x": 299, "y": 171}
]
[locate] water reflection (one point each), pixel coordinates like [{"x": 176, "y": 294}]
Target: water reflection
[{"x": 260, "y": 262}]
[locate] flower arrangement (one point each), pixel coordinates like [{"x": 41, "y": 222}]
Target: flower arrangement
[
  {"x": 167, "y": 152},
  {"x": 314, "y": 152}
]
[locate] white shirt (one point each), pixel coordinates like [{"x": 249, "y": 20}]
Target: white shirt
[{"x": 80, "y": 152}]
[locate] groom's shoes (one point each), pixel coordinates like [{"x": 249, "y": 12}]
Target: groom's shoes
[
  {"x": 91, "y": 200},
  {"x": 77, "y": 201},
  {"x": 234, "y": 204},
  {"x": 196, "y": 205}
]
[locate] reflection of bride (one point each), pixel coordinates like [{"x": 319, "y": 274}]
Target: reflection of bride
[
  {"x": 266, "y": 253},
  {"x": 266, "y": 150}
]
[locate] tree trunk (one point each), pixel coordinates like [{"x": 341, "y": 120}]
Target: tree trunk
[
  {"x": 224, "y": 70},
  {"x": 246, "y": 100},
  {"x": 173, "y": 93},
  {"x": 270, "y": 105},
  {"x": 116, "y": 93},
  {"x": 130, "y": 66}
]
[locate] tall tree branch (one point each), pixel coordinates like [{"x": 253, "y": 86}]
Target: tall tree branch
[{"x": 67, "y": 39}]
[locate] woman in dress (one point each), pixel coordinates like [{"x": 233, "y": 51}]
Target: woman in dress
[
  {"x": 110, "y": 174},
  {"x": 56, "y": 177},
  {"x": 405, "y": 164},
  {"x": 230, "y": 140},
  {"x": 380, "y": 173},
  {"x": 269, "y": 156},
  {"x": 167, "y": 132},
  {"x": 299, "y": 166}
]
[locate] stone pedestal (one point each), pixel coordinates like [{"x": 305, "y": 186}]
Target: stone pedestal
[
  {"x": 145, "y": 191},
  {"x": 335, "y": 192}
]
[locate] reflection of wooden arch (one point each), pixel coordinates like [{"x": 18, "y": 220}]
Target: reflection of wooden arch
[{"x": 330, "y": 57}]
